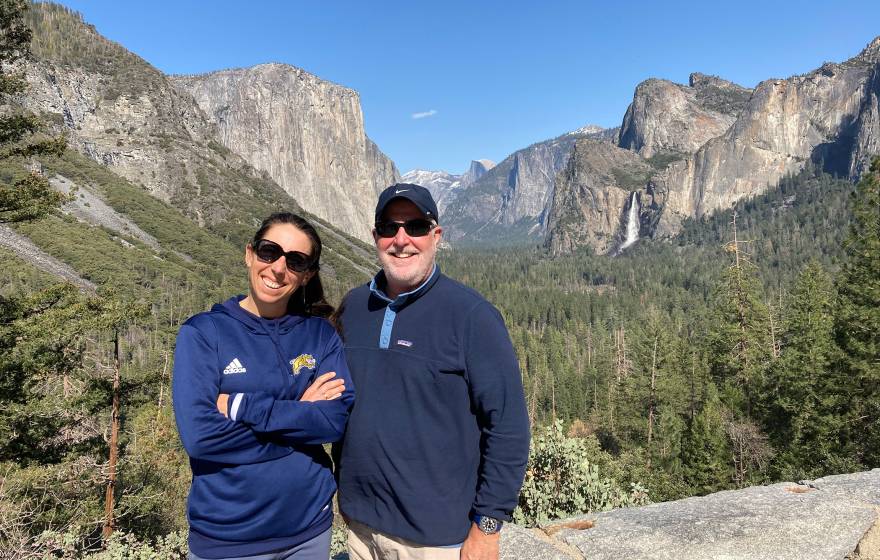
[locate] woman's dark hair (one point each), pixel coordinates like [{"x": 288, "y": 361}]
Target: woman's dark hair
[{"x": 308, "y": 299}]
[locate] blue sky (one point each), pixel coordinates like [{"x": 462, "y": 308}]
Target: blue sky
[{"x": 489, "y": 77}]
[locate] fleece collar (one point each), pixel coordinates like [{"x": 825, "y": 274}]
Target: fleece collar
[{"x": 379, "y": 283}]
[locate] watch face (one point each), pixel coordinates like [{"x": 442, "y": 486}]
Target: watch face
[{"x": 488, "y": 525}]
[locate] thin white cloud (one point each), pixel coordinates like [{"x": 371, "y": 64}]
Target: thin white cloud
[{"x": 424, "y": 114}]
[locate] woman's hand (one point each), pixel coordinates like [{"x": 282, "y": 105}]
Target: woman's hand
[
  {"x": 222, "y": 402},
  {"x": 324, "y": 388}
]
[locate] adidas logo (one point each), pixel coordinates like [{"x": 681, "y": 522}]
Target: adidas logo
[{"x": 234, "y": 367}]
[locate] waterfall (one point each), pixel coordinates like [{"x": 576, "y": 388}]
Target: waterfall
[{"x": 632, "y": 222}]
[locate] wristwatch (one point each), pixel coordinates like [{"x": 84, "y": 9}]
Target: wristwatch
[{"x": 488, "y": 525}]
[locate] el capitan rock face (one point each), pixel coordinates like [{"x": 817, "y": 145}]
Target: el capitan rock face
[
  {"x": 124, "y": 114},
  {"x": 255, "y": 128},
  {"x": 306, "y": 133}
]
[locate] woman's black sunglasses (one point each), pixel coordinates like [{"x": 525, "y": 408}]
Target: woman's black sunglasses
[
  {"x": 414, "y": 228},
  {"x": 269, "y": 252}
]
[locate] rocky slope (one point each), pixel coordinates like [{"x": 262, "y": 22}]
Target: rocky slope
[
  {"x": 28, "y": 251},
  {"x": 123, "y": 113},
  {"x": 306, "y": 133}
]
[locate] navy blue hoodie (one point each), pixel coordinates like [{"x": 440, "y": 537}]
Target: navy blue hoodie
[
  {"x": 261, "y": 480},
  {"x": 439, "y": 430}
]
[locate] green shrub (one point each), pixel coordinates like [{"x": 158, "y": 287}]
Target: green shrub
[
  {"x": 120, "y": 546},
  {"x": 563, "y": 479}
]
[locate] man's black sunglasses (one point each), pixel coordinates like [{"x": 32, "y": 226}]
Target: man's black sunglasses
[
  {"x": 269, "y": 252},
  {"x": 413, "y": 228}
]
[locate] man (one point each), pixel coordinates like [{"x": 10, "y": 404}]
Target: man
[{"x": 436, "y": 446}]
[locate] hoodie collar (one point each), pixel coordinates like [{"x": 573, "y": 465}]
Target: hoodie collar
[
  {"x": 256, "y": 323},
  {"x": 379, "y": 283}
]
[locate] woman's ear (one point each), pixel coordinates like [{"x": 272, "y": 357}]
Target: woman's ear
[{"x": 248, "y": 255}]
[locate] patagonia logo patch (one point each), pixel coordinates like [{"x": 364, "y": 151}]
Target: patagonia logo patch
[
  {"x": 297, "y": 364},
  {"x": 406, "y": 343}
]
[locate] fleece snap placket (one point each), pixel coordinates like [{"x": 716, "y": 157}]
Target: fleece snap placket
[{"x": 393, "y": 306}]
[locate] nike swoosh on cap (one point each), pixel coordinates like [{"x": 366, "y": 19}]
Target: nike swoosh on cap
[{"x": 400, "y": 191}]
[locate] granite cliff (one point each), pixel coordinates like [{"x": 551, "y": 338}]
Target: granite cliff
[
  {"x": 513, "y": 198},
  {"x": 672, "y": 118},
  {"x": 828, "y": 116},
  {"x": 307, "y": 134},
  {"x": 445, "y": 187},
  {"x": 594, "y": 190},
  {"x": 120, "y": 111},
  {"x": 713, "y": 143}
]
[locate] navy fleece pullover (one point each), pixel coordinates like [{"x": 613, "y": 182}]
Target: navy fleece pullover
[
  {"x": 440, "y": 429},
  {"x": 261, "y": 480}
]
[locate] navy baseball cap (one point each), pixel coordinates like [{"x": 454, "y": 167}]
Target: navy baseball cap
[{"x": 417, "y": 194}]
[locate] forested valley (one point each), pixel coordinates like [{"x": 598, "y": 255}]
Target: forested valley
[{"x": 742, "y": 352}]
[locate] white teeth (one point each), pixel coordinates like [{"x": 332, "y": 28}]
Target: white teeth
[{"x": 271, "y": 284}]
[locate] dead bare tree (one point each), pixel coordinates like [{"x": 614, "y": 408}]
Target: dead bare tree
[
  {"x": 751, "y": 451},
  {"x": 652, "y": 399},
  {"x": 114, "y": 443}
]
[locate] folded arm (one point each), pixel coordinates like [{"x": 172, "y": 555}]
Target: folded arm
[
  {"x": 205, "y": 433},
  {"x": 317, "y": 417}
]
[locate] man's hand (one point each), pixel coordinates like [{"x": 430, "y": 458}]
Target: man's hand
[
  {"x": 480, "y": 546},
  {"x": 324, "y": 388}
]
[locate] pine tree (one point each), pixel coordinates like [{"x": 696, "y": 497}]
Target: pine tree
[
  {"x": 705, "y": 450},
  {"x": 29, "y": 196},
  {"x": 857, "y": 321},
  {"x": 741, "y": 347},
  {"x": 802, "y": 413}
]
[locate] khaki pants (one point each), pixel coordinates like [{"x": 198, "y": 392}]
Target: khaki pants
[{"x": 365, "y": 543}]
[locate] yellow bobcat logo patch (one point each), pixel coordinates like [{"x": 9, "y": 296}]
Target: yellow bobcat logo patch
[{"x": 302, "y": 361}]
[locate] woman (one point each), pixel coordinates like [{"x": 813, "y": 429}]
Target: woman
[{"x": 260, "y": 382}]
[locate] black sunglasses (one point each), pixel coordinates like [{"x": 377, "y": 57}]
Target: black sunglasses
[
  {"x": 414, "y": 228},
  {"x": 269, "y": 252}
]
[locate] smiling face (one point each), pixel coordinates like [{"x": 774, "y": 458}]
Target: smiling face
[
  {"x": 407, "y": 261},
  {"x": 272, "y": 284}
]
